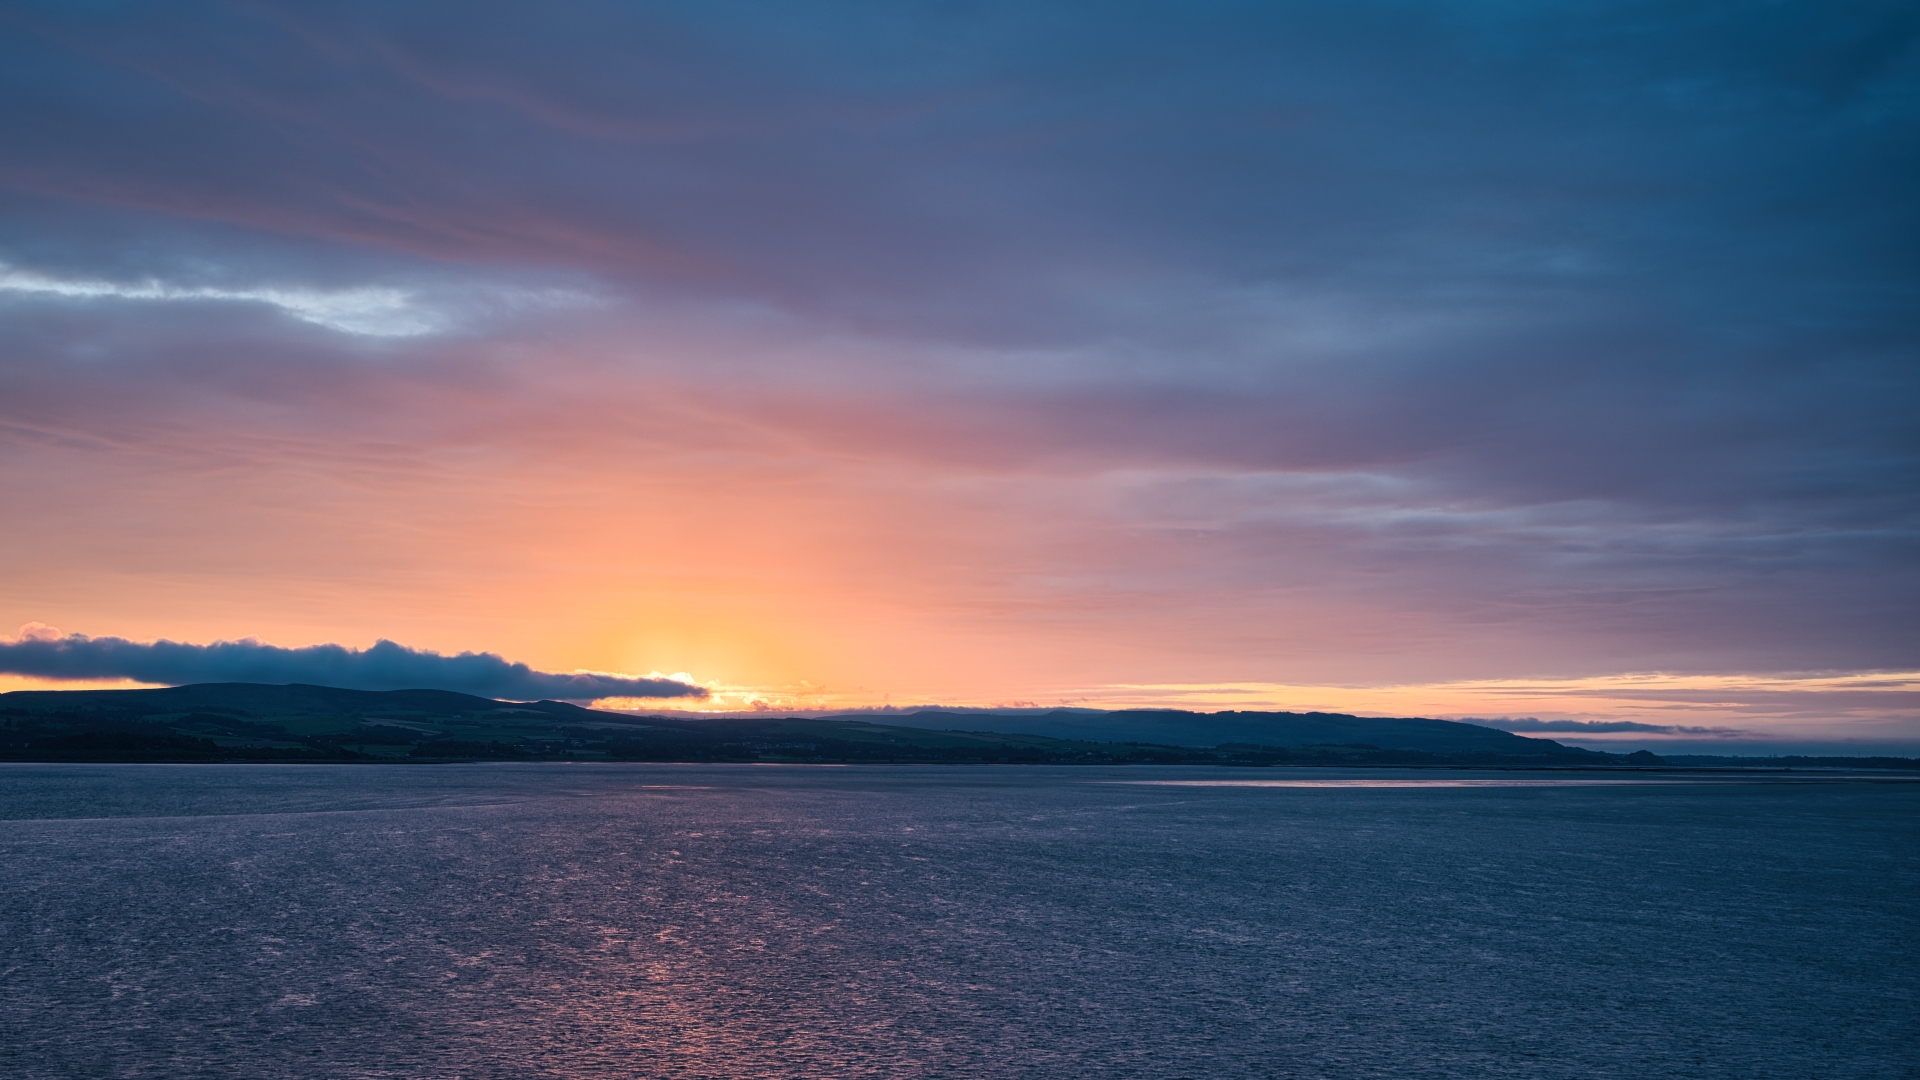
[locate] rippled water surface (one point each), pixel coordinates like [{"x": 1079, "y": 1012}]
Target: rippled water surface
[{"x": 740, "y": 921}]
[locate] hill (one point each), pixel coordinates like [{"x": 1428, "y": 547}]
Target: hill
[
  {"x": 1176, "y": 728},
  {"x": 256, "y": 722}
]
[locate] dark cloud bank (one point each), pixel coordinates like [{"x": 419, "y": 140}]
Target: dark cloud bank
[{"x": 385, "y": 666}]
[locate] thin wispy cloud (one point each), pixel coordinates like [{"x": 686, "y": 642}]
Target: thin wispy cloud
[{"x": 373, "y": 312}]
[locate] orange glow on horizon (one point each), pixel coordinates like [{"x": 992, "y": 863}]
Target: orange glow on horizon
[{"x": 786, "y": 573}]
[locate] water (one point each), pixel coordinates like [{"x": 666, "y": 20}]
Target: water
[{"x": 746, "y": 921}]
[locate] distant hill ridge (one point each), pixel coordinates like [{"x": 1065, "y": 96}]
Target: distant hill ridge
[
  {"x": 1172, "y": 727},
  {"x": 232, "y": 722},
  {"x": 1160, "y": 727}
]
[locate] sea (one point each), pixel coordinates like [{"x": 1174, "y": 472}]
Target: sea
[{"x": 655, "y": 920}]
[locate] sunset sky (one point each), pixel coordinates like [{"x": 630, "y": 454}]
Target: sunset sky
[{"x": 1550, "y": 360}]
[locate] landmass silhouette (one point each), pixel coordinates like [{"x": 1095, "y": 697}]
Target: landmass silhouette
[{"x": 213, "y": 722}]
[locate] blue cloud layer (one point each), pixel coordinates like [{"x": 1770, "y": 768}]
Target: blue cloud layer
[{"x": 385, "y": 666}]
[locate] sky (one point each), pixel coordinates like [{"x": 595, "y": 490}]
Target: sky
[{"x": 1553, "y": 362}]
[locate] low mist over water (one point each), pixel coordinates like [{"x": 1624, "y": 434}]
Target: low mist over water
[{"x": 511, "y": 921}]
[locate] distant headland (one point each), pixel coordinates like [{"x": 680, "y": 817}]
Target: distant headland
[{"x": 241, "y": 722}]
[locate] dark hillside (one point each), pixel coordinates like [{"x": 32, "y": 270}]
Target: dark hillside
[
  {"x": 1175, "y": 728},
  {"x": 257, "y": 722}
]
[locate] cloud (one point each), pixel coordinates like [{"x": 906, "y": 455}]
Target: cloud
[
  {"x": 1528, "y": 723},
  {"x": 374, "y": 312},
  {"x": 1318, "y": 342},
  {"x": 386, "y": 666}
]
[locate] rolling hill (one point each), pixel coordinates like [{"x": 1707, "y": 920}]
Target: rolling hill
[
  {"x": 257, "y": 722},
  {"x": 1175, "y": 728}
]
